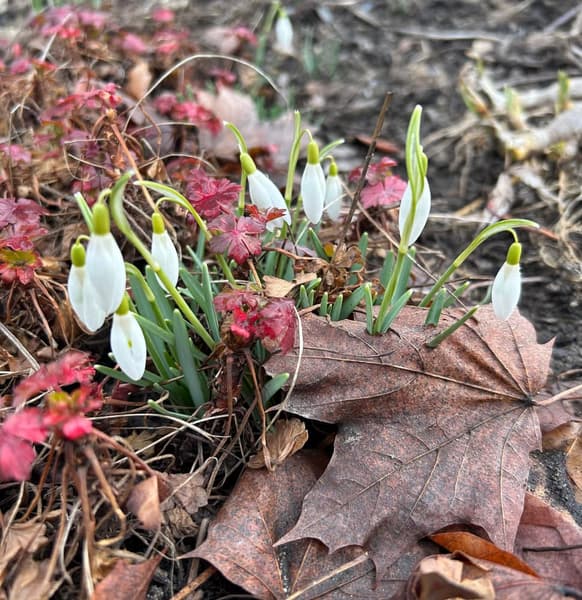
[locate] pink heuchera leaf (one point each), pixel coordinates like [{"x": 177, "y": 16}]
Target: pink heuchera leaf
[
  {"x": 18, "y": 260},
  {"x": 76, "y": 427},
  {"x": 26, "y": 424},
  {"x": 376, "y": 172},
  {"x": 133, "y": 43},
  {"x": 211, "y": 196},
  {"x": 252, "y": 317},
  {"x": 276, "y": 327},
  {"x": 163, "y": 15},
  {"x": 92, "y": 18},
  {"x": 384, "y": 193},
  {"x": 22, "y": 214},
  {"x": 16, "y": 458},
  {"x": 73, "y": 367},
  {"x": 16, "y": 153},
  {"x": 237, "y": 237}
]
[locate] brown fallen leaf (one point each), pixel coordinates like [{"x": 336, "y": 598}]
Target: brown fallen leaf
[
  {"x": 547, "y": 540},
  {"x": 459, "y": 576},
  {"x": 263, "y": 505},
  {"x": 426, "y": 438},
  {"x": 144, "y": 503},
  {"x": 574, "y": 465},
  {"x": 287, "y": 437},
  {"x": 30, "y": 580},
  {"x": 127, "y": 581},
  {"x": 441, "y": 577},
  {"x": 279, "y": 288},
  {"x": 475, "y": 546},
  {"x": 18, "y": 540},
  {"x": 139, "y": 79}
]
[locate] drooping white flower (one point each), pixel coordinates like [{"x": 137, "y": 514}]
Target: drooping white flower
[
  {"x": 81, "y": 293},
  {"x": 105, "y": 266},
  {"x": 507, "y": 284},
  {"x": 420, "y": 215},
  {"x": 164, "y": 251},
  {"x": 284, "y": 33},
  {"x": 263, "y": 192},
  {"x": 333, "y": 193},
  {"x": 128, "y": 342},
  {"x": 313, "y": 185}
]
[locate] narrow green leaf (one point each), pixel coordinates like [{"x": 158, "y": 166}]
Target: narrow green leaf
[
  {"x": 435, "y": 341},
  {"x": 369, "y": 308},
  {"x": 394, "y": 310},
  {"x": 317, "y": 245},
  {"x": 192, "y": 375},
  {"x": 452, "y": 298},
  {"x": 436, "y": 308},
  {"x": 336, "y": 310},
  {"x": 324, "y": 305},
  {"x": 273, "y": 386},
  {"x": 352, "y": 301}
]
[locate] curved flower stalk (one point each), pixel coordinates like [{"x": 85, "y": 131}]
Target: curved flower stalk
[
  {"x": 263, "y": 192},
  {"x": 313, "y": 185},
  {"x": 164, "y": 251},
  {"x": 284, "y": 33},
  {"x": 507, "y": 284},
  {"x": 81, "y": 293},
  {"x": 105, "y": 268},
  {"x": 333, "y": 193},
  {"x": 128, "y": 342}
]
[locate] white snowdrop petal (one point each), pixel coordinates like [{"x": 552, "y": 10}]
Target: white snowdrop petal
[
  {"x": 284, "y": 35},
  {"x": 506, "y": 290},
  {"x": 82, "y": 298},
  {"x": 313, "y": 191},
  {"x": 333, "y": 197},
  {"x": 421, "y": 215},
  {"x": 165, "y": 253},
  {"x": 128, "y": 345},
  {"x": 106, "y": 271},
  {"x": 264, "y": 195}
]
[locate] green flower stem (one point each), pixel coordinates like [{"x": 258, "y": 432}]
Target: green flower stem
[
  {"x": 171, "y": 195},
  {"x": 293, "y": 156},
  {"x": 389, "y": 292},
  {"x": 494, "y": 228},
  {"x": 242, "y": 147},
  {"x": 85, "y": 210},
  {"x": 118, "y": 214}
]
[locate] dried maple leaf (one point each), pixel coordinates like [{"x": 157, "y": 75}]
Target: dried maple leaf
[
  {"x": 550, "y": 542},
  {"x": 262, "y": 506},
  {"x": 426, "y": 437}
]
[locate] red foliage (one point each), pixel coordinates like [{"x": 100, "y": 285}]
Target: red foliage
[
  {"x": 18, "y": 260},
  {"x": 237, "y": 237},
  {"x": 210, "y": 196}
]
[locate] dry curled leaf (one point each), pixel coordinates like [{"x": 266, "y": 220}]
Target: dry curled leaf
[
  {"x": 127, "y": 581},
  {"x": 574, "y": 465},
  {"x": 144, "y": 502},
  {"x": 426, "y": 437},
  {"x": 459, "y": 576},
  {"x": 550, "y": 542},
  {"x": 286, "y": 438},
  {"x": 18, "y": 540}
]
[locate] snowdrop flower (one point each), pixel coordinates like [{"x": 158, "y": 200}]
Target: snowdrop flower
[
  {"x": 128, "y": 342},
  {"x": 163, "y": 250},
  {"x": 313, "y": 185},
  {"x": 420, "y": 216},
  {"x": 333, "y": 193},
  {"x": 284, "y": 33},
  {"x": 81, "y": 293},
  {"x": 263, "y": 192},
  {"x": 507, "y": 284},
  {"x": 105, "y": 267}
]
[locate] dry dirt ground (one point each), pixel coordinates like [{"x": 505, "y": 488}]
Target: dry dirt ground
[{"x": 350, "y": 53}]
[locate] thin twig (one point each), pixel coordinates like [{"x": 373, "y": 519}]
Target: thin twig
[{"x": 367, "y": 160}]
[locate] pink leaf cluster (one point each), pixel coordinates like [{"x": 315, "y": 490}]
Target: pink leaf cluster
[
  {"x": 187, "y": 111},
  {"x": 211, "y": 196},
  {"x": 62, "y": 413},
  {"x": 251, "y": 317},
  {"x": 238, "y": 237},
  {"x": 382, "y": 187}
]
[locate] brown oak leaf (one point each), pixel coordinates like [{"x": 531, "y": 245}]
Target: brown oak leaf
[{"x": 426, "y": 437}]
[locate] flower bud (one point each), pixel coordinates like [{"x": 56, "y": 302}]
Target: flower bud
[{"x": 507, "y": 284}]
